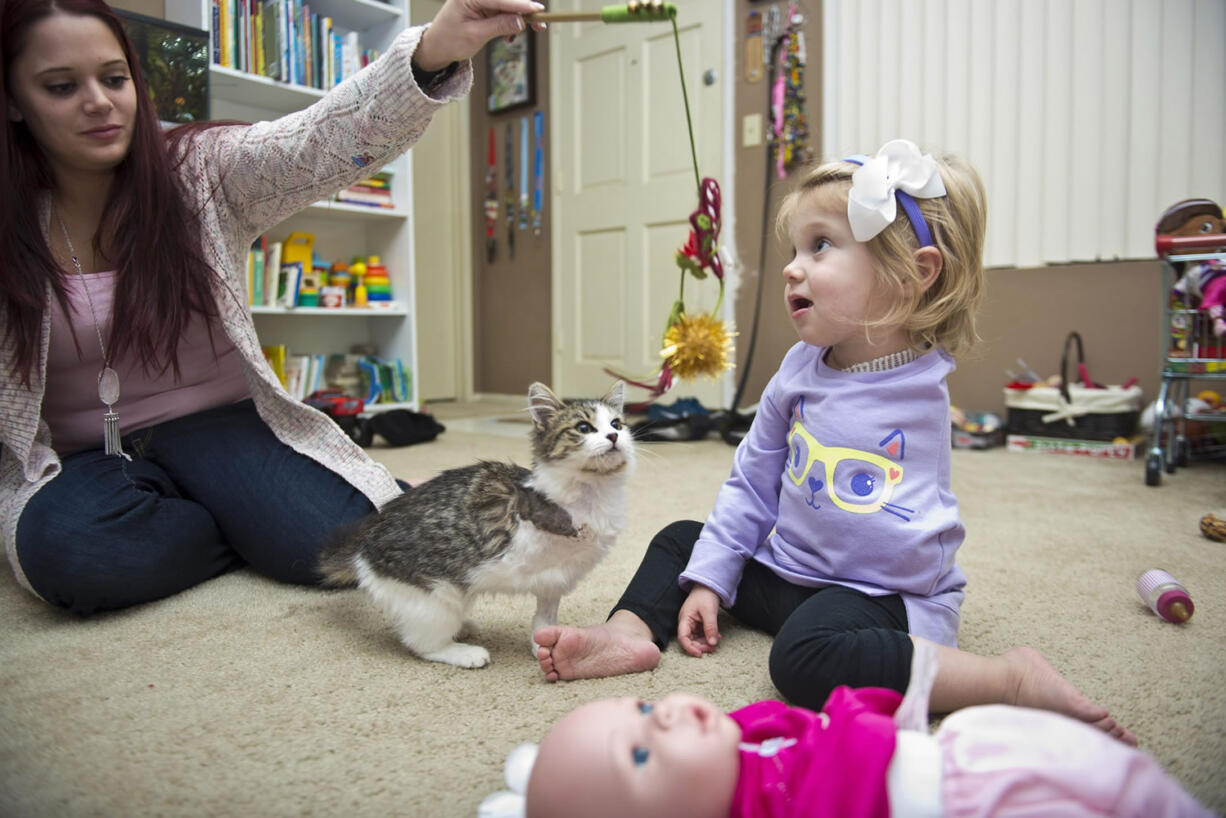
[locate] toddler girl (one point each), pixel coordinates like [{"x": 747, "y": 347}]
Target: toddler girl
[{"x": 837, "y": 529}]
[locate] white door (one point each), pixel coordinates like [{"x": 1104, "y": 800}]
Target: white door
[
  {"x": 441, "y": 256},
  {"x": 624, "y": 189}
]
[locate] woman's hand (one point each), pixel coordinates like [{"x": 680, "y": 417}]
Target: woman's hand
[
  {"x": 697, "y": 624},
  {"x": 462, "y": 27}
]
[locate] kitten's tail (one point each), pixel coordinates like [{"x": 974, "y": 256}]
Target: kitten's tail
[{"x": 335, "y": 562}]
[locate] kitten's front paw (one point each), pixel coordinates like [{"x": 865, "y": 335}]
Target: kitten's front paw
[{"x": 460, "y": 655}]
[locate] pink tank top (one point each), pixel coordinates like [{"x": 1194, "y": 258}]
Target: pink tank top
[{"x": 209, "y": 375}]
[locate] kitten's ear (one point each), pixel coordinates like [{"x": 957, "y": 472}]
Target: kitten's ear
[
  {"x": 542, "y": 403},
  {"x": 617, "y": 396}
]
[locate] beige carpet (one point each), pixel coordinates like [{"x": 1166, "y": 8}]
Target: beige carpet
[{"x": 246, "y": 698}]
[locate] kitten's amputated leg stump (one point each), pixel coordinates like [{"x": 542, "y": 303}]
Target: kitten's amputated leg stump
[{"x": 427, "y": 621}]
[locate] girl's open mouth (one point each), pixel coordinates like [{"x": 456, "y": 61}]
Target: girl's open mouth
[{"x": 798, "y": 303}]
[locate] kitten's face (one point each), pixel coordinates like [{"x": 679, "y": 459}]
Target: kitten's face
[{"x": 589, "y": 435}]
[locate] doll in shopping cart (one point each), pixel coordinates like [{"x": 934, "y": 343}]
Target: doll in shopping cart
[{"x": 1202, "y": 283}]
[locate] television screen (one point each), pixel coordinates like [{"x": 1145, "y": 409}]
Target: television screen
[{"x": 175, "y": 61}]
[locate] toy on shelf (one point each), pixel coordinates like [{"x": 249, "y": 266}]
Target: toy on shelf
[
  {"x": 357, "y": 276},
  {"x": 378, "y": 284},
  {"x": 335, "y": 293},
  {"x": 1165, "y": 596},
  {"x": 975, "y": 430}
]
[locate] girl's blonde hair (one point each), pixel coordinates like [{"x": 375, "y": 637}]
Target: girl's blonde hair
[{"x": 943, "y": 314}]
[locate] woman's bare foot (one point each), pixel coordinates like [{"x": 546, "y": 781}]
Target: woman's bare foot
[
  {"x": 1041, "y": 685},
  {"x": 609, "y": 649}
]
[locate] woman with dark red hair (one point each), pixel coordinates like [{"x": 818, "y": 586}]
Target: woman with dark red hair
[{"x": 124, "y": 249}]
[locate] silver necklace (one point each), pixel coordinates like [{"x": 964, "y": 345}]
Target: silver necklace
[
  {"x": 885, "y": 362},
  {"x": 108, "y": 379}
]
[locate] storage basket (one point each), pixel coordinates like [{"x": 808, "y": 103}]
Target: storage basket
[{"x": 1073, "y": 411}]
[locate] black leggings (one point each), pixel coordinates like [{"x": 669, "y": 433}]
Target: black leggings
[{"x": 824, "y": 637}]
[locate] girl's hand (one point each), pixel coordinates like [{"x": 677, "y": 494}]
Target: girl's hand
[
  {"x": 462, "y": 27},
  {"x": 697, "y": 624}
]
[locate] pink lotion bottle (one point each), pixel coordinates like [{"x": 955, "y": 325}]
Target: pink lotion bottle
[{"x": 1165, "y": 596}]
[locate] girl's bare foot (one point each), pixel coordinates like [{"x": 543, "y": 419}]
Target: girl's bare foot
[
  {"x": 1041, "y": 685},
  {"x": 609, "y": 649}
]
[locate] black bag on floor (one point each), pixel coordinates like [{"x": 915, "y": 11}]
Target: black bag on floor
[{"x": 404, "y": 427}]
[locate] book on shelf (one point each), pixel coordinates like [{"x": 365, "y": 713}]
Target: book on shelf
[
  {"x": 270, "y": 13},
  {"x": 371, "y": 199},
  {"x": 255, "y": 270},
  {"x": 304, "y": 374},
  {"x": 272, "y": 273},
  {"x": 384, "y": 380},
  {"x": 288, "y": 280},
  {"x": 275, "y": 354}
]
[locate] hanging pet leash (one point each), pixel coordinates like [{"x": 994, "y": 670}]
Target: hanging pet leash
[{"x": 491, "y": 202}]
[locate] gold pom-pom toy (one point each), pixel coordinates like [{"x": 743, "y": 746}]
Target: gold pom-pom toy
[{"x": 698, "y": 346}]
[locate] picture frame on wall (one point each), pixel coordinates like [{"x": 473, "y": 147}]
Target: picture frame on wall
[{"x": 512, "y": 74}]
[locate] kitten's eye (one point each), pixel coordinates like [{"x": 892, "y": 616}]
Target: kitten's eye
[
  {"x": 640, "y": 755},
  {"x": 617, "y": 423},
  {"x": 585, "y": 428},
  {"x": 645, "y": 707}
]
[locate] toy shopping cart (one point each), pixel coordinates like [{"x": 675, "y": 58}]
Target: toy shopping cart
[{"x": 1190, "y": 351}]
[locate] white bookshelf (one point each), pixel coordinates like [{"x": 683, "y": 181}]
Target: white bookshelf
[{"x": 341, "y": 230}]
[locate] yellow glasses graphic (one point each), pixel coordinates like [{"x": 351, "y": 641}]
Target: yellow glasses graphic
[{"x": 855, "y": 481}]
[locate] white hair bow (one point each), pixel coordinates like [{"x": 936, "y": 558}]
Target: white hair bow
[
  {"x": 511, "y": 804},
  {"x": 897, "y": 172}
]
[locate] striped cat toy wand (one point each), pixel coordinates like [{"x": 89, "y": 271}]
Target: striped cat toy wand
[{"x": 643, "y": 12}]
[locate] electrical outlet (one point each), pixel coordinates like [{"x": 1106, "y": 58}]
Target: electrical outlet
[{"x": 751, "y": 130}]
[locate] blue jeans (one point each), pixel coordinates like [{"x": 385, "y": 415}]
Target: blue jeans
[{"x": 203, "y": 494}]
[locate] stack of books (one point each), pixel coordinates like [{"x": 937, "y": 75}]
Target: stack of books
[{"x": 373, "y": 191}]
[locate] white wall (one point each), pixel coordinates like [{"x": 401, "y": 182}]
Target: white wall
[{"x": 1086, "y": 118}]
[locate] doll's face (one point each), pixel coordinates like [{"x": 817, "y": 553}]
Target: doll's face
[
  {"x": 627, "y": 757},
  {"x": 1200, "y": 225}
]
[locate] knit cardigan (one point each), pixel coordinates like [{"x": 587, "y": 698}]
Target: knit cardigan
[{"x": 244, "y": 180}]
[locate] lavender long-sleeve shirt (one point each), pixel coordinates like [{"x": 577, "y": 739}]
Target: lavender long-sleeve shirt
[{"x": 843, "y": 478}]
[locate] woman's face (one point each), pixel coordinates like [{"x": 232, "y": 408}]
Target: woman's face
[{"x": 72, "y": 87}]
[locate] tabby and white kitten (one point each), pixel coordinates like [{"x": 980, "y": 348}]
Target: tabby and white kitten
[{"x": 495, "y": 528}]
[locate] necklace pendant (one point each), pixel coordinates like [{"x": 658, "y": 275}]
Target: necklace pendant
[
  {"x": 108, "y": 386},
  {"x": 108, "y": 393}
]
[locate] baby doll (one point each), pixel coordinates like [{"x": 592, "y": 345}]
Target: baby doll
[
  {"x": 1202, "y": 283},
  {"x": 866, "y": 753}
]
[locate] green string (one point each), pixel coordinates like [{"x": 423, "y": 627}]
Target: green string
[
  {"x": 689, "y": 124},
  {"x": 685, "y": 98}
]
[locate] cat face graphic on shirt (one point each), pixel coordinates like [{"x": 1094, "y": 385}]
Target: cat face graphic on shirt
[{"x": 856, "y": 481}]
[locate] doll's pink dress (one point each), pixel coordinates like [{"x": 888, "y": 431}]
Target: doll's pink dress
[{"x": 984, "y": 761}]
